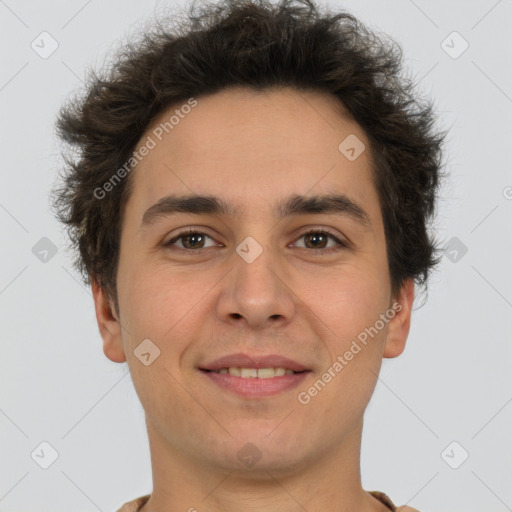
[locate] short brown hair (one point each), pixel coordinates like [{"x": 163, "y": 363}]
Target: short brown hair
[{"x": 260, "y": 45}]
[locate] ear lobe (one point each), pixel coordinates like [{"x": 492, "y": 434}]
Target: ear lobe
[
  {"x": 400, "y": 324},
  {"x": 108, "y": 324}
]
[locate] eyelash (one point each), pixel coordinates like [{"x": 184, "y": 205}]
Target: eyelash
[{"x": 192, "y": 231}]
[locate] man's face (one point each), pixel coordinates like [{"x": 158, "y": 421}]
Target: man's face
[{"x": 215, "y": 294}]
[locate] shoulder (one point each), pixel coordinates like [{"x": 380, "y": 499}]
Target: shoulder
[{"x": 134, "y": 505}]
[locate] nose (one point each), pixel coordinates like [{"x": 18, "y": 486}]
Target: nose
[{"x": 257, "y": 293}]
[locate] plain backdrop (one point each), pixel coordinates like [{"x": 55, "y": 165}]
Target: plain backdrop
[{"x": 447, "y": 397}]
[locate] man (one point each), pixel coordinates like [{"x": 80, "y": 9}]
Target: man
[{"x": 250, "y": 206}]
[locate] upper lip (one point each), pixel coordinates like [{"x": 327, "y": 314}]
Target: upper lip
[{"x": 241, "y": 360}]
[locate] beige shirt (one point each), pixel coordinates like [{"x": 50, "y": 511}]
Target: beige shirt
[{"x": 136, "y": 504}]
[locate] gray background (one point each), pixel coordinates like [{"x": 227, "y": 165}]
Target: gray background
[{"x": 452, "y": 383}]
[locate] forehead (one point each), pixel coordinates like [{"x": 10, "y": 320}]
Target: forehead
[{"x": 249, "y": 147}]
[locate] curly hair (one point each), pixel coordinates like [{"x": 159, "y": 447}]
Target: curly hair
[{"x": 260, "y": 45}]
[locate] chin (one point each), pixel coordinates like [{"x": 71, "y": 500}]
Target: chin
[{"x": 262, "y": 447}]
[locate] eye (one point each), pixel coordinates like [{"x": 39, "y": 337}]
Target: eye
[
  {"x": 318, "y": 237},
  {"x": 193, "y": 240}
]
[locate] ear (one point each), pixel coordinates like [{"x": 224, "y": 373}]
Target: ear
[
  {"x": 108, "y": 324},
  {"x": 399, "y": 325}
]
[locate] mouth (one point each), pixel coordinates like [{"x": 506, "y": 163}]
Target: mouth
[
  {"x": 254, "y": 373},
  {"x": 252, "y": 383},
  {"x": 241, "y": 364}
]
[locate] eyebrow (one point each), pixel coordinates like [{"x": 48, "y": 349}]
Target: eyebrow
[{"x": 338, "y": 204}]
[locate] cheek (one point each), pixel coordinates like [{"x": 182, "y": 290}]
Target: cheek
[
  {"x": 155, "y": 309},
  {"x": 350, "y": 300},
  {"x": 354, "y": 338},
  {"x": 164, "y": 307}
]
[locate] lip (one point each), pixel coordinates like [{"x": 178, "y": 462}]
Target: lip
[
  {"x": 255, "y": 387},
  {"x": 241, "y": 360}
]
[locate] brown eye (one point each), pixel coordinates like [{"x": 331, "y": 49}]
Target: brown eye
[
  {"x": 318, "y": 239},
  {"x": 191, "y": 240}
]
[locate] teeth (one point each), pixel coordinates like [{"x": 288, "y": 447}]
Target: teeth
[
  {"x": 261, "y": 373},
  {"x": 237, "y": 372}
]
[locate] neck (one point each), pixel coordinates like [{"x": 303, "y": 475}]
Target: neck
[{"x": 329, "y": 482}]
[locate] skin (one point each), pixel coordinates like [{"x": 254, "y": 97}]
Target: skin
[{"x": 252, "y": 149}]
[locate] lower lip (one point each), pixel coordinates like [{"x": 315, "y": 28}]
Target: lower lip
[{"x": 253, "y": 387}]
